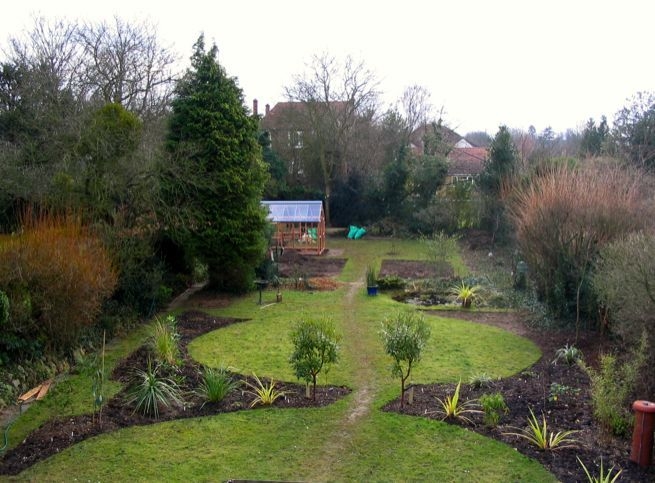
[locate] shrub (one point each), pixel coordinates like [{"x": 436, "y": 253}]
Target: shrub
[
  {"x": 623, "y": 283},
  {"x": 56, "y": 274},
  {"x": 404, "y": 337},
  {"x": 217, "y": 384},
  {"x": 493, "y": 407},
  {"x": 315, "y": 347},
  {"x": 562, "y": 218},
  {"x": 391, "y": 282},
  {"x": 612, "y": 386},
  {"x": 440, "y": 247},
  {"x": 152, "y": 390}
]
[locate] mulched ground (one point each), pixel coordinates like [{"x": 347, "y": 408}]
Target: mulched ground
[
  {"x": 55, "y": 436},
  {"x": 530, "y": 389}
]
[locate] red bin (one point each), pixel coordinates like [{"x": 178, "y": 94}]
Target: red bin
[{"x": 642, "y": 436}]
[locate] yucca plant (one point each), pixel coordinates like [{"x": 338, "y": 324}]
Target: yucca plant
[
  {"x": 217, "y": 384},
  {"x": 152, "y": 390},
  {"x": 164, "y": 341},
  {"x": 602, "y": 476},
  {"x": 453, "y": 408},
  {"x": 264, "y": 394},
  {"x": 466, "y": 294},
  {"x": 538, "y": 435}
]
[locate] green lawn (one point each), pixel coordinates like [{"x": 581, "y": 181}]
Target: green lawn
[{"x": 352, "y": 440}]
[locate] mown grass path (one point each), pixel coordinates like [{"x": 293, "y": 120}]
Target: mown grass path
[{"x": 352, "y": 440}]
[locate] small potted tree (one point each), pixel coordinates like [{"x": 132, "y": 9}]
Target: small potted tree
[{"x": 371, "y": 281}]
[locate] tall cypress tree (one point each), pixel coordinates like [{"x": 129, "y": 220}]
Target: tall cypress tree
[{"x": 213, "y": 181}]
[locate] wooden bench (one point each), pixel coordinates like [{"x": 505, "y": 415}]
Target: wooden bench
[{"x": 35, "y": 394}]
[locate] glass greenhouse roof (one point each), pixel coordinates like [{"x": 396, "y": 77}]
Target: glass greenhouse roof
[{"x": 290, "y": 211}]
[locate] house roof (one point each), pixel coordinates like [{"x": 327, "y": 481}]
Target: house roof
[
  {"x": 466, "y": 161},
  {"x": 294, "y": 211},
  {"x": 284, "y": 114}
]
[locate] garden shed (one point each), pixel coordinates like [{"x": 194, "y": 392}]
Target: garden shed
[{"x": 299, "y": 225}]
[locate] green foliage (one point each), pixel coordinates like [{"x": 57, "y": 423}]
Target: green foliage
[
  {"x": 265, "y": 395},
  {"x": 212, "y": 183},
  {"x": 404, "y": 337},
  {"x": 391, "y": 282},
  {"x": 501, "y": 163},
  {"x": 570, "y": 354},
  {"x": 602, "y": 476},
  {"x": 93, "y": 366},
  {"x": 612, "y": 386},
  {"x": 623, "y": 281},
  {"x": 493, "y": 407},
  {"x": 56, "y": 274},
  {"x": 371, "y": 277},
  {"x": 164, "y": 341},
  {"x": 453, "y": 408},
  {"x": 440, "y": 247},
  {"x": 466, "y": 294},
  {"x": 217, "y": 384},
  {"x": 427, "y": 174},
  {"x": 594, "y": 137},
  {"x": 634, "y": 128},
  {"x": 4, "y": 308},
  {"x": 150, "y": 390},
  {"x": 558, "y": 391},
  {"x": 315, "y": 347},
  {"x": 538, "y": 434},
  {"x": 480, "y": 379}
]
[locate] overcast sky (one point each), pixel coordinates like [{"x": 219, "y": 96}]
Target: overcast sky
[{"x": 515, "y": 62}]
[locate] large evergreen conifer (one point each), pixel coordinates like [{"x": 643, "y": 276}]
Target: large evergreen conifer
[{"x": 214, "y": 179}]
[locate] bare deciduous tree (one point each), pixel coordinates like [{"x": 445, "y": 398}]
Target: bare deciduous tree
[
  {"x": 125, "y": 64},
  {"x": 338, "y": 98}
]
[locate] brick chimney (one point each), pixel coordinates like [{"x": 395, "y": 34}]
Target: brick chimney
[
  {"x": 268, "y": 108},
  {"x": 254, "y": 107}
]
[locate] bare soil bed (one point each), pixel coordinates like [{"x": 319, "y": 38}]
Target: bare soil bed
[
  {"x": 54, "y": 436},
  {"x": 415, "y": 269},
  {"x": 295, "y": 264},
  {"x": 530, "y": 389}
]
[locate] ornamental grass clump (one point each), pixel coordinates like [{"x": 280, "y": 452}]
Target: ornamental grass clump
[
  {"x": 164, "y": 341},
  {"x": 538, "y": 435},
  {"x": 150, "y": 390},
  {"x": 265, "y": 394},
  {"x": 216, "y": 384}
]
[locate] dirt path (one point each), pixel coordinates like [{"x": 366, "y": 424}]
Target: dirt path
[{"x": 337, "y": 446}]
